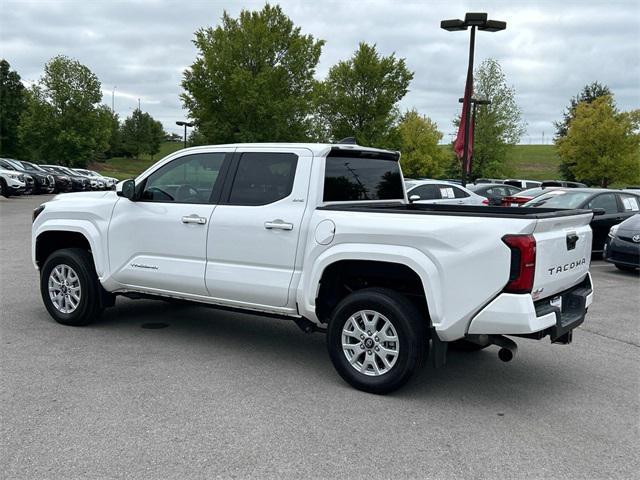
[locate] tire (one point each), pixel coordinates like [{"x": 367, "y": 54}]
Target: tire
[
  {"x": 466, "y": 346},
  {"x": 625, "y": 268},
  {"x": 88, "y": 308},
  {"x": 410, "y": 347},
  {"x": 4, "y": 190}
]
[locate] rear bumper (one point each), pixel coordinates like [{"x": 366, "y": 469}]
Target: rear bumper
[{"x": 511, "y": 314}]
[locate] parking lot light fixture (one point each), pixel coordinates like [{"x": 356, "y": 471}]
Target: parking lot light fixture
[
  {"x": 481, "y": 22},
  {"x": 185, "y": 125}
]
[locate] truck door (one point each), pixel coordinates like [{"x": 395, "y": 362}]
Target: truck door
[
  {"x": 253, "y": 238},
  {"x": 158, "y": 242}
]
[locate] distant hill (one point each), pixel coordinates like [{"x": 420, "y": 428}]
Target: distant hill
[{"x": 534, "y": 162}]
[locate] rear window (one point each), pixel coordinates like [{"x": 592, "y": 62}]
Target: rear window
[
  {"x": 559, "y": 199},
  {"x": 358, "y": 175}
]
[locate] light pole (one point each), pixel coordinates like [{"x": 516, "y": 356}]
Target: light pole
[
  {"x": 113, "y": 96},
  {"x": 479, "y": 21},
  {"x": 185, "y": 124},
  {"x": 475, "y": 102}
]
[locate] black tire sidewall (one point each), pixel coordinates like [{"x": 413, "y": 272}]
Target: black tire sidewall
[
  {"x": 81, "y": 262},
  {"x": 407, "y": 323},
  {"x": 4, "y": 189}
]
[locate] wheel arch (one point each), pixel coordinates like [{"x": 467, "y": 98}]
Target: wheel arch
[
  {"x": 51, "y": 238},
  {"x": 400, "y": 268}
]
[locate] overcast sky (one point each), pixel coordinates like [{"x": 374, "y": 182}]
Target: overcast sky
[{"x": 549, "y": 51}]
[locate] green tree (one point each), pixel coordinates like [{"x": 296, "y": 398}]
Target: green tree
[
  {"x": 12, "y": 103},
  {"x": 588, "y": 94},
  {"x": 253, "y": 79},
  {"x": 602, "y": 145},
  {"x": 141, "y": 134},
  {"x": 498, "y": 126},
  {"x": 62, "y": 122},
  {"x": 359, "y": 97},
  {"x": 419, "y": 137}
]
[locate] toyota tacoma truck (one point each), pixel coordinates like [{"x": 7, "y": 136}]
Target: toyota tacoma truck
[{"x": 324, "y": 235}]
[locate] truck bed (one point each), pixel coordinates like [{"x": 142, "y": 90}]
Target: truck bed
[{"x": 455, "y": 210}]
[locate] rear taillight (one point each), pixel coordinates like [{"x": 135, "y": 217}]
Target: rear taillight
[
  {"x": 523, "y": 263},
  {"x": 485, "y": 201}
]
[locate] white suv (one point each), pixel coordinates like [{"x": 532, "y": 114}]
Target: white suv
[{"x": 11, "y": 183}]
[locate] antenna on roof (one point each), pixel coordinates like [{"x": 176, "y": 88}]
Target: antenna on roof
[{"x": 348, "y": 141}]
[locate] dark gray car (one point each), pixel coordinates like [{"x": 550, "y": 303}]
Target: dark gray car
[{"x": 622, "y": 248}]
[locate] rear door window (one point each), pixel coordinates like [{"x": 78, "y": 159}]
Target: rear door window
[
  {"x": 446, "y": 191},
  {"x": 427, "y": 192},
  {"x": 629, "y": 203},
  {"x": 459, "y": 193},
  {"x": 263, "y": 178}
]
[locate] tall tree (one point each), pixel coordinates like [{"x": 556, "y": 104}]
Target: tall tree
[
  {"x": 419, "y": 137},
  {"x": 602, "y": 145},
  {"x": 253, "y": 78},
  {"x": 141, "y": 134},
  {"x": 12, "y": 103},
  {"x": 588, "y": 94},
  {"x": 359, "y": 98},
  {"x": 62, "y": 122},
  {"x": 498, "y": 126}
]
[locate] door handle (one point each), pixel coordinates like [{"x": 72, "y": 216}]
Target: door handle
[
  {"x": 278, "y": 224},
  {"x": 193, "y": 218}
]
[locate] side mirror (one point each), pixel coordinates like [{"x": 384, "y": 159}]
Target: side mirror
[
  {"x": 598, "y": 211},
  {"x": 126, "y": 189},
  {"x": 414, "y": 198}
]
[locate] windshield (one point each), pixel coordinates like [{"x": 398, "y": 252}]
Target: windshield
[
  {"x": 559, "y": 199},
  {"x": 32, "y": 168}
]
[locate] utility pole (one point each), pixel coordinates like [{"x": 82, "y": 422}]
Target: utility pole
[{"x": 113, "y": 96}]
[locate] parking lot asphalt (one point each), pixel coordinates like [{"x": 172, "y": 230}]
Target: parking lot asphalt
[{"x": 224, "y": 395}]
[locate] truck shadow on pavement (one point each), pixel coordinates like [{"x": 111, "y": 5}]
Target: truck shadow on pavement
[{"x": 282, "y": 347}]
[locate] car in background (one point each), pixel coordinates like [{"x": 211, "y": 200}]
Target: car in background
[
  {"x": 109, "y": 182},
  {"x": 563, "y": 183},
  {"x": 494, "y": 192},
  {"x": 11, "y": 183},
  {"x": 439, "y": 191},
  {"x": 43, "y": 182},
  {"x": 622, "y": 247},
  {"x": 520, "y": 198},
  {"x": 522, "y": 183},
  {"x": 96, "y": 182},
  {"x": 8, "y": 164},
  {"x": 610, "y": 207},
  {"x": 61, "y": 182},
  {"x": 79, "y": 183}
]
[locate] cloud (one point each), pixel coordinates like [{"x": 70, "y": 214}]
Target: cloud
[{"x": 549, "y": 51}]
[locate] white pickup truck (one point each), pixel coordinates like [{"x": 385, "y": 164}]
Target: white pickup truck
[{"x": 324, "y": 235}]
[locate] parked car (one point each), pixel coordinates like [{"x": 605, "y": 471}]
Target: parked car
[
  {"x": 524, "y": 184},
  {"x": 622, "y": 247},
  {"x": 562, "y": 183},
  {"x": 494, "y": 192},
  {"x": 9, "y": 164},
  {"x": 79, "y": 183},
  {"x": 322, "y": 235},
  {"x": 62, "y": 182},
  {"x": 109, "y": 182},
  {"x": 96, "y": 182},
  {"x": 611, "y": 207},
  {"x": 520, "y": 198},
  {"x": 43, "y": 181},
  {"x": 11, "y": 183},
  {"x": 439, "y": 191}
]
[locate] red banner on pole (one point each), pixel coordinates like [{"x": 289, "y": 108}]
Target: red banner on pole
[{"x": 458, "y": 146}]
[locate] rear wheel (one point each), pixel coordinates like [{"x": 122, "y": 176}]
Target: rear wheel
[
  {"x": 625, "y": 268},
  {"x": 69, "y": 287},
  {"x": 376, "y": 340}
]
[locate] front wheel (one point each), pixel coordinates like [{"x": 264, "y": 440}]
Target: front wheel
[
  {"x": 4, "y": 189},
  {"x": 69, "y": 287},
  {"x": 376, "y": 339}
]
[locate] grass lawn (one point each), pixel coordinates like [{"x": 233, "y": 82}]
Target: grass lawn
[{"x": 533, "y": 162}]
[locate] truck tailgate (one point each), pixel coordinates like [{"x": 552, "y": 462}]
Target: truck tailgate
[{"x": 563, "y": 253}]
